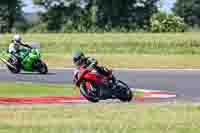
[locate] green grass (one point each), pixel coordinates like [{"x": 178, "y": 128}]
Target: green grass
[
  {"x": 35, "y": 89},
  {"x": 91, "y": 118},
  {"x": 40, "y": 89},
  {"x": 131, "y": 43},
  {"x": 101, "y": 118},
  {"x": 131, "y": 50},
  {"x": 130, "y": 61}
]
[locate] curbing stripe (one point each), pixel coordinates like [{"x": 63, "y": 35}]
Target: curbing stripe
[
  {"x": 155, "y": 94},
  {"x": 163, "y": 96}
]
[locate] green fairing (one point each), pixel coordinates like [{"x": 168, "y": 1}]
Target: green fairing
[{"x": 28, "y": 57}]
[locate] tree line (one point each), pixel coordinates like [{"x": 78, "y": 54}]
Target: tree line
[{"x": 100, "y": 16}]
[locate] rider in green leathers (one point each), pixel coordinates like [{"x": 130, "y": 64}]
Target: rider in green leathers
[{"x": 15, "y": 44}]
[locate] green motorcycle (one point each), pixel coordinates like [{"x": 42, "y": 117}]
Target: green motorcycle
[{"x": 28, "y": 60}]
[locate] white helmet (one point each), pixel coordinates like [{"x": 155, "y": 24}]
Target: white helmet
[{"x": 17, "y": 38}]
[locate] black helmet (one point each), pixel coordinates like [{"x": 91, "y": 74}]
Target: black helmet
[{"x": 78, "y": 57}]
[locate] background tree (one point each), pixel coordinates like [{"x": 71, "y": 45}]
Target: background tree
[
  {"x": 126, "y": 12},
  {"x": 10, "y": 12},
  {"x": 189, "y": 10},
  {"x": 167, "y": 22},
  {"x": 59, "y": 12},
  {"x": 85, "y": 15}
]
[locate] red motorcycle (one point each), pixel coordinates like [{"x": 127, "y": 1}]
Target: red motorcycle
[{"x": 95, "y": 87}]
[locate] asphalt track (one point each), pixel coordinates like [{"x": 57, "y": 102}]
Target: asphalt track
[{"x": 185, "y": 83}]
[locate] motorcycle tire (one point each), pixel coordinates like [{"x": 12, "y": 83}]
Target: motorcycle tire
[
  {"x": 17, "y": 68},
  {"x": 123, "y": 92},
  {"x": 42, "y": 68},
  {"x": 84, "y": 92}
]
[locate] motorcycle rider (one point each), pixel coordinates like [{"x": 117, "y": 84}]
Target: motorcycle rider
[
  {"x": 79, "y": 59},
  {"x": 15, "y": 44}
]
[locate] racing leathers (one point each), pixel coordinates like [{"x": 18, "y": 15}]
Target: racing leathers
[
  {"x": 15, "y": 47},
  {"x": 91, "y": 63}
]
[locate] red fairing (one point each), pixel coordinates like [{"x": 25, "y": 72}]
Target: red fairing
[
  {"x": 92, "y": 75},
  {"x": 88, "y": 85}
]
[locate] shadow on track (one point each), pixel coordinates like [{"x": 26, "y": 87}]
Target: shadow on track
[{"x": 32, "y": 73}]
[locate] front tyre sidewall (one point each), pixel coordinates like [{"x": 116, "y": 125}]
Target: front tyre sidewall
[
  {"x": 16, "y": 65},
  {"x": 84, "y": 92}
]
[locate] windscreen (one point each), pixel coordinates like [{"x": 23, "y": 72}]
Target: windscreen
[{"x": 34, "y": 45}]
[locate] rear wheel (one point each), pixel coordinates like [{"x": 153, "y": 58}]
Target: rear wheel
[
  {"x": 41, "y": 67},
  {"x": 123, "y": 92},
  {"x": 87, "y": 94}
]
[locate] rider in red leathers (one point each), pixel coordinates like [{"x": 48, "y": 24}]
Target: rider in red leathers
[{"x": 79, "y": 59}]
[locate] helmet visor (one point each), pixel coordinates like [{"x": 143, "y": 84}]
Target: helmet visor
[{"x": 77, "y": 61}]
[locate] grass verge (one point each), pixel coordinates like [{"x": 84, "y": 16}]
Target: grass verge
[
  {"x": 128, "y": 61},
  {"x": 116, "y": 43},
  {"x": 33, "y": 89},
  {"x": 131, "y": 61},
  {"x": 101, "y": 118},
  {"x": 40, "y": 89},
  {"x": 130, "y": 50},
  {"x": 90, "y": 118}
]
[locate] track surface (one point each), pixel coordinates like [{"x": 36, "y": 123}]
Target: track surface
[{"x": 183, "y": 82}]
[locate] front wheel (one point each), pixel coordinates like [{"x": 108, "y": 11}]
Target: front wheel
[
  {"x": 87, "y": 94},
  {"x": 13, "y": 65},
  {"x": 123, "y": 92}
]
